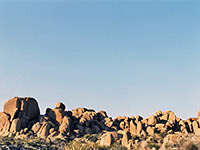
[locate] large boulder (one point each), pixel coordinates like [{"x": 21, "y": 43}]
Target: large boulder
[
  {"x": 133, "y": 127},
  {"x": 25, "y": 107},
  {"x": 195, "y": 126},
  {"x": 12, "y": 106},
  {"x": 139, "y": 127},
  {"x": 4, "y": 119},
  {"x": 108, "y": 138},
  {"x": 172, "y": 116},
  {"x": 31, "y": 109},
  {"x": 125, "y": 139},
  {"x": 172, "y": 139}
]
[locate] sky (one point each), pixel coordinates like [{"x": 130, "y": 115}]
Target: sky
[{"x": 125, "y": 57}]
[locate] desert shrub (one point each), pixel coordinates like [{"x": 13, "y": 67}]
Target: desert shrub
[
  {"x": 91, "y": 137},
  {"x": 117, "y": 146},
  {"x": 82, "y": 145},
  {"x": 31, "y": 143},
  {"x": 40, "y": 141},
  {"x": 96, "y": 146},
  {"x": 191, "y": 146},
  {"x": 8, "y": 139},
  {"x": 77, "y": 146},
  {"x": 58, "y": 140}
]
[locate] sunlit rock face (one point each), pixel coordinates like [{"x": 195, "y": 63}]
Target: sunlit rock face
[{"x": 21, "y": 118}]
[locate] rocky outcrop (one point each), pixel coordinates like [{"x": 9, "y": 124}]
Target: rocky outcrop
[
  {"x": 22, "y": 108},
  {"x": 18, "y": 114},
  {"x": 21, "y": 118}
]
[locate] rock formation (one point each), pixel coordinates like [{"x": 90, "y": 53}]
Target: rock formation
[
  {"x": 18, "y": 114},
  {"x": 21, "y": 118}
]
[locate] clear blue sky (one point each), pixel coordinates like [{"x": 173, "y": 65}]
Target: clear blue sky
[{"x": 127, "y": 58}]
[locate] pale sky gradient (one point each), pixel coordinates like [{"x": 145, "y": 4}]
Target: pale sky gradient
[{"x": 128, "y": 58}]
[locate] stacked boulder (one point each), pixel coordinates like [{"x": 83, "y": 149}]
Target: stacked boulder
[{"x": 18, "y": 115}]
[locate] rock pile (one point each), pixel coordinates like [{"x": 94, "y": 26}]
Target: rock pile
[
  {"x": 21, "y": 118},
  {"x": 18, "y": 115}
]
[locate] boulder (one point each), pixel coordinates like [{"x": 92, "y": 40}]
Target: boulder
[
  {"x": 125, "y": 139},
  {"x": 25, "y": 107},
  {"x": 31, "y": 110},
  {"x": 122, "y": 125},
  {"x": 44, "y": 130},
  {"x": 56, "y": 115},
  {"x": 35, "y": 128},
  {"x": 101, "y": 115},
  {"x": 133, "y": 127},
  {"x": 53, "y": 135},
  {"x": 165, "y": 115},
  {"x": 143, "y": 133},
  {"x": 139, "y": 127},
  {"x": 158, "y": 113},
  {"x": 15, "y": 126},
  {"x": 108, "y": 122},
  {"x": 60, "y": 105},
  {"x": 12, "y": 106},
  {"x": 4, "y": 119},
  {"x": 144, "y": 145},
  {"x": 86, "y": 119},
  {"x": 195, "y": 126},
  {"x": 172, "y": 139},
  {"x": 172, "y": 116},
  {"x": 150, "y": 130},
  {"x": 6, "y": 128},
  {"x": 66, "y": 125},
  {"x": 152, "y": 120},
  {"x": 138, "y": 118},
  {"x": 182, "y": 125},
  {"x": 108, "y": 138}
]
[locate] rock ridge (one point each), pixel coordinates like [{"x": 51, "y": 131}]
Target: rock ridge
[{"x": 21, "y": 118}]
